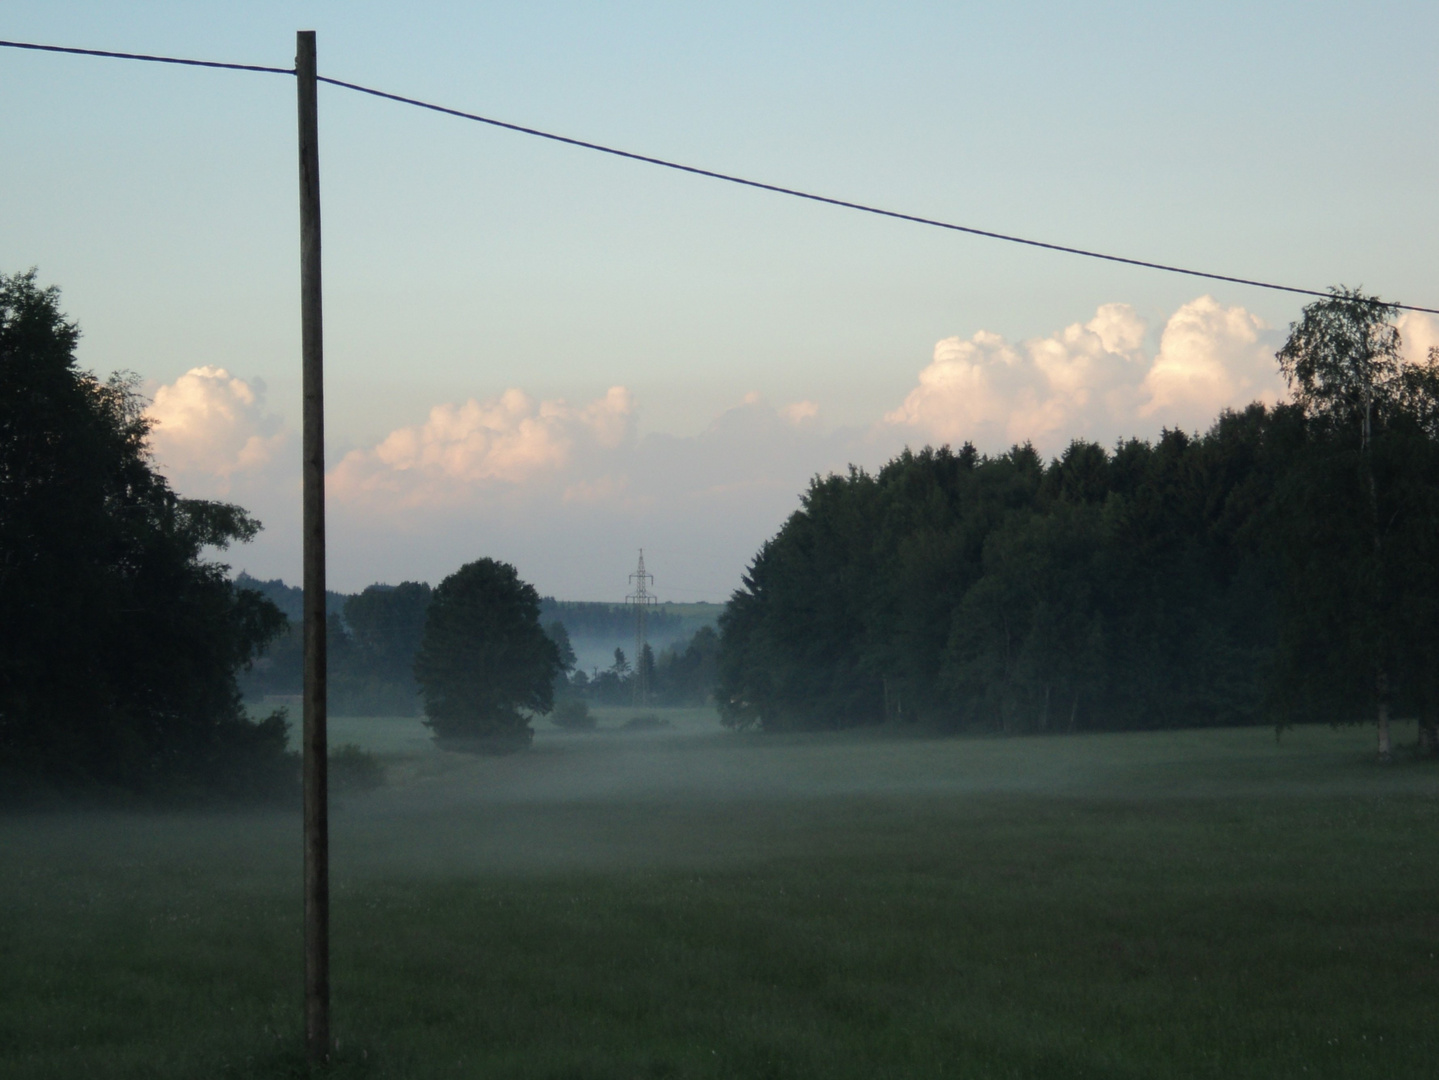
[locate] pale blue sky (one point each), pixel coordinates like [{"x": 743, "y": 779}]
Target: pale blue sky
[{"x": 1292, "y": 142}]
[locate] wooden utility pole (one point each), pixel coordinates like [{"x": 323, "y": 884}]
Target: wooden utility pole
[{"x": 317, "y": 824}]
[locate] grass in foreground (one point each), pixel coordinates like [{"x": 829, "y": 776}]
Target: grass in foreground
[{"x": 1201, "y": 904}]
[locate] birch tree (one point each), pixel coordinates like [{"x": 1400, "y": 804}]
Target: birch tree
[{"x": 1342, "y": 362}]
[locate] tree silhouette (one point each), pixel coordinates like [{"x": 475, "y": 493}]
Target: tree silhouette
[
  {"x": 485, "y": 664},
  {"x": 1349, "y": 583},
  {"x": 120, "y": 643}
]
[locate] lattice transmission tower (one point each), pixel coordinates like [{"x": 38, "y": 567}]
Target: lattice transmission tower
[{"x": 641, "y": 600}]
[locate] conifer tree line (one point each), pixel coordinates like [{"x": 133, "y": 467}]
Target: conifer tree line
[
  {"x": 1282, "y": 567},
  {"x": 590, "y": 619}
]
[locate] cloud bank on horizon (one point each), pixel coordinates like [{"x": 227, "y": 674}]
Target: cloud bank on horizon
[{"x": 567, "y": 492}]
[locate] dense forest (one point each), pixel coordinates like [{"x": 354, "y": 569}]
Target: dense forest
[{"x": 1282, "y": 567}]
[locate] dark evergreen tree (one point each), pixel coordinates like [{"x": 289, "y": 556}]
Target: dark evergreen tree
[
  {"x": 645, "y": 671},
  {"x": 794, "y": 643}
]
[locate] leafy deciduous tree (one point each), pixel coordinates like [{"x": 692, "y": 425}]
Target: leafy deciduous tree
[
  {"x": 557, "y": 633},
  {"x": 1342, "y": 361},
  {"x": 485, "y": 664},
  {"x": 120, "y": 642}
]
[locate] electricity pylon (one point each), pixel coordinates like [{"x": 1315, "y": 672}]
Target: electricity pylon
[{"x": 642, "y": 600}]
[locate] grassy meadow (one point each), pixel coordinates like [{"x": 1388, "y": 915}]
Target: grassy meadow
[{"x": 689, "y": 902}]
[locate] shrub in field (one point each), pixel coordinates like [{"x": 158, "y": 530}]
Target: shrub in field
[
  {"x": 645, "y": 722},
  {"x": 485, "y": 664},
  {"x": 353, "y": 769},
  {"x": 573, "y": 714}
]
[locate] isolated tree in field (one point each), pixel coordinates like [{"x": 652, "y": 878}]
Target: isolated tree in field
[
  {"x": 119, "y": 645},
  {"x": 485, "y": 664}
]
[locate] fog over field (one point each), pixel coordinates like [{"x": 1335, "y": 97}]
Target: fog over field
[
  {"x": 840, "y": 541},
  {"x": 695, "y": 795},
  {"x": 694, "y": 902}
]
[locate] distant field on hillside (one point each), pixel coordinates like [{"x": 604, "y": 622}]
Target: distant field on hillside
[{"x": 691, "y": 902}]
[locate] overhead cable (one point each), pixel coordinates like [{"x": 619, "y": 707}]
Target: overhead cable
[
  {"x": 715, "y": 175},
  {"x": 845, "y": 203},
  {"x": 148, "y": 58}
]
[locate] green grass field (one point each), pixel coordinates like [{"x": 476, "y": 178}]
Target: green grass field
[{"x": 690, "y": 902}]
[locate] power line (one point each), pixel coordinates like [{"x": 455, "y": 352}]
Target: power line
[
  {"x": 844, "y": 203},
  {"x": 148, "y": 58},
  {"x": 712, "y": 174}
]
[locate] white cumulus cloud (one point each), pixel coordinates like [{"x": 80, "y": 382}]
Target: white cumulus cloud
[
  {"x": 1210, "y": 357},
  {"x": 800, "y": 412},
  {"x": 1092, "y": 380},
  {"x": 1418, "y": 332},
  {"x": 506, "y": 441},
  {"x": 210, "y": 428}
]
